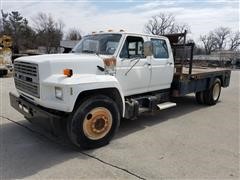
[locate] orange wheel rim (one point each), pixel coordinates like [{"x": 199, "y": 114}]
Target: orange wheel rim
[{"x": 97, "y": 123}]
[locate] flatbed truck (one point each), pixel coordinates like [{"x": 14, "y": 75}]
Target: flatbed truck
[{"x": 109, "y": 76}]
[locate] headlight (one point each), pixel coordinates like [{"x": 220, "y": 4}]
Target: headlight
[{"x": 58, "y": 93}]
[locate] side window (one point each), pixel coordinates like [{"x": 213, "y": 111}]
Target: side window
[
  {"x": 133, "y": 47},
  {"x": 160, "y": 49}
]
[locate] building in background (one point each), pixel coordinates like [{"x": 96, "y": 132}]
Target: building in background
[
  {"x": 68, "y": 45},
  {"x": 223, "y": 58}
]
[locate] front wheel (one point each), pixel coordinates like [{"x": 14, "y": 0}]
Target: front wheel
[{"x": 94, "y": 122}]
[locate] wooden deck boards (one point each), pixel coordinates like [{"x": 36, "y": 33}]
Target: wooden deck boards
[{"x": 197, "y": 72}]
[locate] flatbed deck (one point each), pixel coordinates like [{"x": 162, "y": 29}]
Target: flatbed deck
[
  {"x": 198, "y": 72},
  {"x": 200, "y": 79},
  {"x": 201, "y": 70}
]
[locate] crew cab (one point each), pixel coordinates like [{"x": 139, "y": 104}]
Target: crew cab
[{"x": 109, "y": 76}]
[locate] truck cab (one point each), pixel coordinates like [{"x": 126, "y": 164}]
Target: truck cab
[
  {"x": 138, "y": 73},
  {"x": 106, "y": 77}
]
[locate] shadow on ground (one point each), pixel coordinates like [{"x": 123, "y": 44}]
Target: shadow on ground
[
  {"x": 24, "y": 152},
  {"x": 184, "y": 106}
]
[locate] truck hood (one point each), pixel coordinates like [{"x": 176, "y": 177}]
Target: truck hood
[{"x": 55, "y": 63}]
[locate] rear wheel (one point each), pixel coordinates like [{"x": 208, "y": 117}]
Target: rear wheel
[
  {"x": 94, "y": 122},
  {"x": 211, "y": 96},
  {"x": 199, "y": 97}
]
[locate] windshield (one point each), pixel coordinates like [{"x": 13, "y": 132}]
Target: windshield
[{"x": 99, "y": 43}]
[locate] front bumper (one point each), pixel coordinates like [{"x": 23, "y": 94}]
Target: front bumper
[{"x": 47, "y": 118}]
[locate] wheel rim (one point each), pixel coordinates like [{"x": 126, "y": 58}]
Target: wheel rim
[
  {"x": 216, "y": 91},
  {"x": 97, "y": 123}
]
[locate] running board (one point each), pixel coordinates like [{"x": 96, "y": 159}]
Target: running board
[{"x": 166, "y": 105}]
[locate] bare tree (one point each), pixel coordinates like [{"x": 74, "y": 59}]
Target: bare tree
[
  {"x": 1, "y": 26},
  {"x": 234, "y": 41},
  {"x": 73, "y": 34},
  {"x": 180, "y": 28},
  {"x": 164, "y": 23},
  {"x": 49, "y": 31},
  {"x": 220, "y": 36},
  {"x": 208, "y": 42}
]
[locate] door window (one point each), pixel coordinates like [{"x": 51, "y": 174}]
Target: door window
[
  {"x": 133, "y": 47},
  {"x": 160, "y": 49}
]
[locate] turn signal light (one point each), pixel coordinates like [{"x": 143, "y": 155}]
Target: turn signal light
[{"x": 68, "y": 72}]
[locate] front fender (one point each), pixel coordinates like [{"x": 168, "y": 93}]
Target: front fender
[{"x": 79, "y": 83}]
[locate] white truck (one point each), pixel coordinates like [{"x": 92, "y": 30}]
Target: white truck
[{"x": 109, "y": 76}]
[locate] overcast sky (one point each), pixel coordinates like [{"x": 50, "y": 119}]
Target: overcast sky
[{"x": 131, "y": 15}]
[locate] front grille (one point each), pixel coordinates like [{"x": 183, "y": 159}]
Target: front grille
[
  {"x": 26, "y": 68},
  {"x": 27, "y": 78}
]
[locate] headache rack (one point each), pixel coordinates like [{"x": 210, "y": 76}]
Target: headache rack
[{"x": 182, "y": 53}]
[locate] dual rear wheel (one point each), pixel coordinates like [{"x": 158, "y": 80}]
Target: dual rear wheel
[{"x": 211, "y": 95}]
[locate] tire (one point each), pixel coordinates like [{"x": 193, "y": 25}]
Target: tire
[
  {"x": 199, "y": 97},
  {"x": 94, "y": 122},
  {"x": 211, "y": 96}
]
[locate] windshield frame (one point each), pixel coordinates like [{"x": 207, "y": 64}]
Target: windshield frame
[{"x": 99, "y": 34}]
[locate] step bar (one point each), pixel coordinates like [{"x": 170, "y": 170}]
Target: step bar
[{"x": 166, "y": 105}]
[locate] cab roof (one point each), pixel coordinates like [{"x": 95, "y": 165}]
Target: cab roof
[{"x": 131, "y": 33}]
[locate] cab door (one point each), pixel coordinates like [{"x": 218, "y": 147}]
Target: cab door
[
  {"x": 162, "y": 65},
  {"x": 133, "y": 69}
]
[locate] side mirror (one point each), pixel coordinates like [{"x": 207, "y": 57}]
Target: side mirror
[{"x": 148, "y": 48}]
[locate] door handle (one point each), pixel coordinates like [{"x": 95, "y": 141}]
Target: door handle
[
  {"x": 147, "y": 64},
  {"x": 169, "y": 63}
]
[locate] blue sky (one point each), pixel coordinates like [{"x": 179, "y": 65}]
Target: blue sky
[
  {"x": 124, "y": 4},
  {"x": 116, "y": 4},
  {"x": 131, "y": 15}
]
